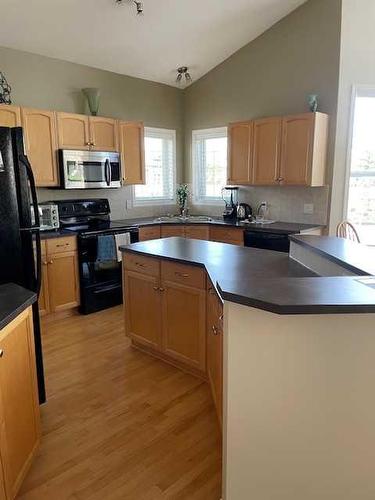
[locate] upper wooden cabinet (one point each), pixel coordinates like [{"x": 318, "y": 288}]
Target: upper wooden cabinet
[
  {"x": 10, "y": 116},
  {"x": 103, "y": 134},
  {"x": 266, "y": 151},
  {"x": 304, "y": 149},
  {"x": 41, "y": 145},
  {"x": 289, "y": 150},
  {"x": 73, "y": 131},
  {"x": 19, "y": 405},
  {"x": 240, "y": 152},
  {"x": 131, "y": 135}
]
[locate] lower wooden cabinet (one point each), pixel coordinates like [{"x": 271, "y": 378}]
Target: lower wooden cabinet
[
  {"x": 215, "y": 349},
  {"x": 149, "y": 233},
  {"x": 197, "y": 232},
  {"x": 231, "y": 235},
  {"x": 168, "y": 230},
  {"x": 19, "y": 405},
  {"x": 60, "y": 277}
]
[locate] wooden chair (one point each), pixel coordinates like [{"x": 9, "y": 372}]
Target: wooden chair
[{"x": 346, "y": 230}]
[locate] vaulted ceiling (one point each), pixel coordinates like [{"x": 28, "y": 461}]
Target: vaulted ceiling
[{"x": 110, "y": 36}]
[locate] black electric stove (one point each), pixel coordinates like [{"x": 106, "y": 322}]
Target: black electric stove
[{"x": 98, "y": 238}]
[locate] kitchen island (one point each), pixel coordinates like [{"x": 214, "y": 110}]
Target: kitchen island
[{"x": 297, "y": 351}]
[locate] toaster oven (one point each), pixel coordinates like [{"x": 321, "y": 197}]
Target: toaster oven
[{"x": 49, "y": 216}]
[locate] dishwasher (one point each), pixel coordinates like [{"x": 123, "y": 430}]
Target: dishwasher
[{"x": 279, "y": 242}]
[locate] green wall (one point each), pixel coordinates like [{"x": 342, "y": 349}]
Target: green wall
[{"x": 273, "y": 74}]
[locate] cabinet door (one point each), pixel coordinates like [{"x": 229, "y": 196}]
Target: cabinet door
[
  {"x": 149, "y": 233},
  {"x": 215, "y": 349},
  {"x": 143, "y": 309},
  {"x": 267, "y": 145},
  {"x": 231, "y": 235},
  {"x": 63, "y": 281},
  {"x": 297, "y": 149},
  {"x": 168, "y": 230},
  {"x": 240, "y": 137},
  {"x": 41, "y": 145},
  {"x": 184, "y": 318},
  {"x": 197, "y": 232},
  {"x": 73, "y": 131},
  {"x": 131, "y": 136},
  {"x": 20, "y": 423},
  {"x": 43, "y": 300},
  {"x": 103, "y": 134},
  {"x": 10, "y": 116}
]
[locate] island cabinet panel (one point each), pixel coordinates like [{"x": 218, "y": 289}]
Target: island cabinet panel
[
  {"x": 10, "y": 116},
  {"x": 143, "y": 309},
  {"x": 131, "y": 135},
  {"x": 149, "y": 233},
  {"x": 73, "y": 131},
  {"x": 103, "y": 134},
  {"x": 215, "y": 349},
  {"x": 41, "y": 144},
  {"x": 231, "y": 235},
  {"x": 184, "y": 324},
  {"x": 266, "y": 156},
  {"x": 169, "y": 230},
  {"x": 240, "y": 137},
  {"x": 197, "y": 232},
  {"x": 19, "y": 406}
]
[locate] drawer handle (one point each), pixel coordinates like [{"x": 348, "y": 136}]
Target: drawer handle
[
  {"x": 161, "y": 289},
  {"x": 1, "y": 353},
  {"x": 64, "y": 245},
  {"x": 156, "y": 288},
  {"x": 221, "y": 317},
  {"x": 139, "y": 264},
  {"x": 181, "y": 275},
  {"x": 215, "y": 331}
]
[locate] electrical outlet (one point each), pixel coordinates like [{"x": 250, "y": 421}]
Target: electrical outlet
[{"x": 308, "y": 208}]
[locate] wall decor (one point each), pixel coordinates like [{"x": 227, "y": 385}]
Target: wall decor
[
  {"x": 5, "y": 90},
  {"x": 93, "y": 98}
]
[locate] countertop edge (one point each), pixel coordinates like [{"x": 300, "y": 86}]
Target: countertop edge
[{"x": 29, "y": 299}]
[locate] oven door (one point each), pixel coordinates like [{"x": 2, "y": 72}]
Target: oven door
[{"x": 90, "y": 169}]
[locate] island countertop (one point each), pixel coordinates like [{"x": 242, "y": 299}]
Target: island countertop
[
  {"x": 264, "y": 279},
  {"x": 13, "y": 300}
]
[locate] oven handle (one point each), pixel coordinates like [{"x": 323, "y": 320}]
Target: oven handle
[
  {"x": 107, "y": 168},
  {"x": 106, "y": 289}
]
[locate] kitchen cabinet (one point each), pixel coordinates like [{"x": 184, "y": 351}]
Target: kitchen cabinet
[
  {"x": 40, "y": 138},
  {"x": 10, "y": 116},
  {"x": 103, "y": 134},
  {"x": 131, "y": 138},
  {"x": 304, "y": 149},
  {"x": 175, "y": 322},
  {"x": 60, "y": 277},
  {"x": 215, "y": 348},
  {"x": 240, "y": 139},
  {"x": 149, "y": 233},
  {"x": 73, "y": 131},
  {"x": 266, "y": 155},
  {"x": 169, "y": 230},
  {"x": 231, "y": 235},
  {"x": 19, "y": 405},
  {"x": 197, "y": 232}
]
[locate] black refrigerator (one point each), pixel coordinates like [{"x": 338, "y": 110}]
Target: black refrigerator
[{"x": 20, "y": 250}]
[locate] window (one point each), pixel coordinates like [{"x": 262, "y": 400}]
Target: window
[
  {"x": 160, "y": 162},
  {"x": 209, "y": 155},
  {"x": 361, "y": 184}
]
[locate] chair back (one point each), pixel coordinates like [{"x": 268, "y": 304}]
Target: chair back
[{"x": 346, "y": 230}]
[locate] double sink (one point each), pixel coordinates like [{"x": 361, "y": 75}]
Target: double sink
[{"x": 179, "y": 218}]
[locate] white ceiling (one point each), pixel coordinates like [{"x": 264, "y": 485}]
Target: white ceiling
[{"x": 171, "y": 33}]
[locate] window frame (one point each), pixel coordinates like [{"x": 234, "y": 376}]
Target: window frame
[
  {"x": 199, "y": 134},
  {"x": 159, "y": 133}
]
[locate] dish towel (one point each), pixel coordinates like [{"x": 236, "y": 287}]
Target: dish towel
[
  {"x": 106, "y": 248},
  {"x": 121, "y": 239}
]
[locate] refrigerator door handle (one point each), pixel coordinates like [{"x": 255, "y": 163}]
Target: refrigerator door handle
[{"x": 35, "y": 228}]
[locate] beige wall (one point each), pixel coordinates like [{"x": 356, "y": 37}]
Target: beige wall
[
  {"x": 299, "y": 406},
  {"x": 47, "y": 83},
  {"x": 272, "y": 75},
  {"x": 356, "y": 68}
]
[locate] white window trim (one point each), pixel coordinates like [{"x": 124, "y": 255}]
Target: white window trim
[
  {"x": 204, "y": 134},
  {"x": 357, "y": 91},
  {"x": 139, "y": 202}
]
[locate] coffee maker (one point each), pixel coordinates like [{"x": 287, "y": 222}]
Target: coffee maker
[{"x": 230, "y": 197}]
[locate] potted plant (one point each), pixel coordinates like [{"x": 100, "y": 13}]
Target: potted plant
[{"x": 182, "y": 196}]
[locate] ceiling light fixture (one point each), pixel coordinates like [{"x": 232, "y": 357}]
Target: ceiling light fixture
[
  {"x": 138, "y": 5},
  {"x": 183, "y": 73}
]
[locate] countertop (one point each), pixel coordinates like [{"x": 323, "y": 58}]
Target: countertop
[
  {"x": 13, "y": 300},
  {"x": 264, "y": 279}
]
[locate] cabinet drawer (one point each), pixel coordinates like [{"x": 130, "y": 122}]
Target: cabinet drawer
[
  {"x": 149, "y": 233},
  {"x": 64, "y": 244},
  {"x": 227, "y": 235},
  {"x": 141, "y": 264},
  {"x": 183, "y": 274}
]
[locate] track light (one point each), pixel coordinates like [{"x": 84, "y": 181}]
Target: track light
[
  {"x": 183, "y": 73},
  {"x": 138, "y": 5}
]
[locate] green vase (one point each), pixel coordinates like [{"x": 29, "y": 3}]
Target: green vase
[{"x": 93, "y": 98}]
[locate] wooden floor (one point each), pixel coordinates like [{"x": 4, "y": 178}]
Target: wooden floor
[{"x": 119, "y": 424}]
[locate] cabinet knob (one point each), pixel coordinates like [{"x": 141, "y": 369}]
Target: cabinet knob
[
  {"x": 161, "y": 289},
  {"x": 181, "y": 275},
  {"x": 215, "y": 331},
  {"x": 45, "y": 263},
  {"x": 156, "y": 288},
  {"x": 1, "y": 353},
  {"x": 50, "y": 262}
]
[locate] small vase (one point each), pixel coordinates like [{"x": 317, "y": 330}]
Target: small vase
[
  {"x": 93, "y": 98},
  {"x": 312, "y": 100}
]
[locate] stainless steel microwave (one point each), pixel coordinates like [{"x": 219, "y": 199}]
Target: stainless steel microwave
[{"x": 89, "y": 169}]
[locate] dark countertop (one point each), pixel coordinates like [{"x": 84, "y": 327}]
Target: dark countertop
[
  {"x": 57, "y": 233},
  {"x": 264, "y": 279},
  {"x": 357, "y": 258},
  {"x": 13, "y": 300}
]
